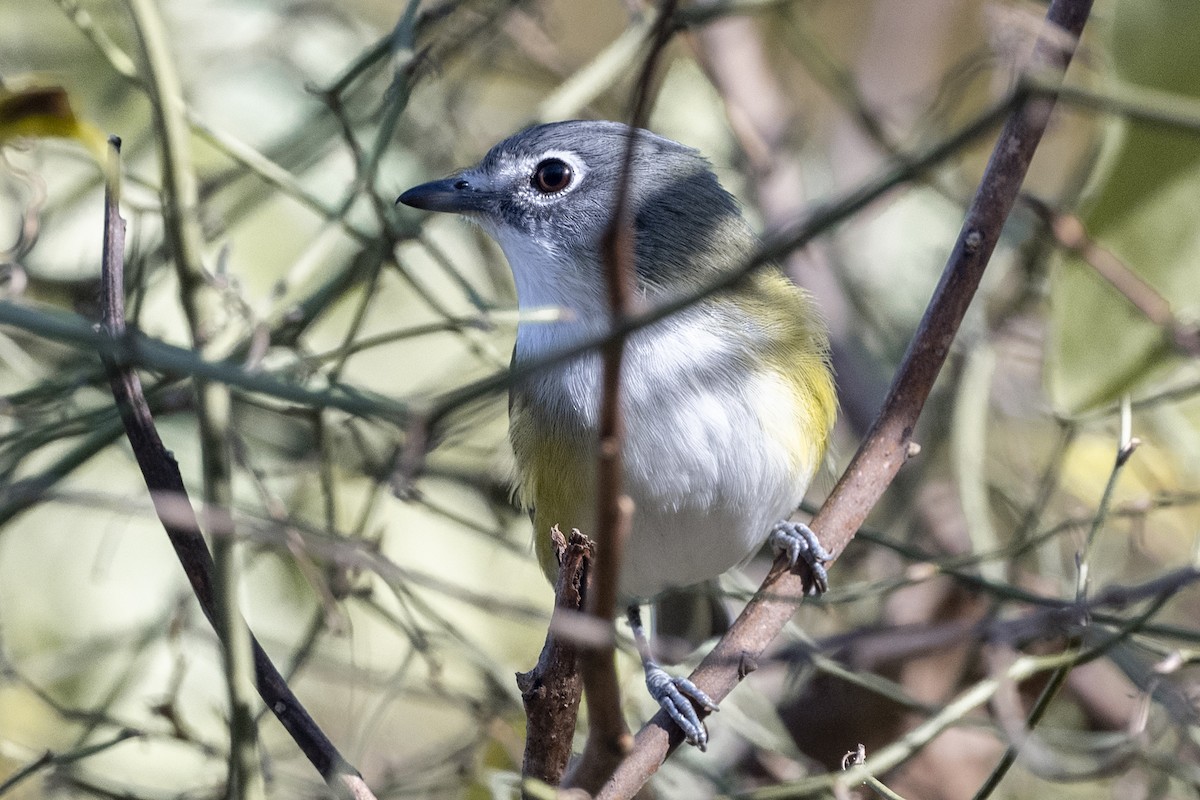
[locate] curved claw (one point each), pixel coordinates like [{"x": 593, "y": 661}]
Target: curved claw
[
  {"x": 799, "y": 543},
  {"x": 679, "y": 698}
]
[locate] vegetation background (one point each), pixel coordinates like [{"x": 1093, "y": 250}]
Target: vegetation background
[{"x": 402, "y": 616}]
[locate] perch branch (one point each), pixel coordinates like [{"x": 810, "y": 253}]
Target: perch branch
[{"x": 888, "y": 444}]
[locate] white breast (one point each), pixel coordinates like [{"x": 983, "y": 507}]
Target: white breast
[{"x": 706, "y": 480}]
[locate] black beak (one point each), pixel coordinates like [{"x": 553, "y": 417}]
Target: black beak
[{"x": 454, "y": 194}]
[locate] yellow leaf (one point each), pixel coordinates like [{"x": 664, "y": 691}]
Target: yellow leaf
[{"x": 45, "y": 111}]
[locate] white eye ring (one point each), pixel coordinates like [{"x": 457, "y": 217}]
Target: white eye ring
[
  {"x": 555, "y": 173},
  {"x": 552, "y": 176}
]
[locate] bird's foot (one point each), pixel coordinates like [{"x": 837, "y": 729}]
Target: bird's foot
[
  {"x": 679, "y": 698},
  {"x": 799, "y": 543}
]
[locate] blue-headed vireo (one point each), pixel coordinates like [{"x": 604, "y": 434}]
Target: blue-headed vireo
[{"x": 728, "y": 404}]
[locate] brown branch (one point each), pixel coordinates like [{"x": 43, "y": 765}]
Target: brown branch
[
  {"x": 1069, "y": 231},
  {"x": 551, "y": 690},
  {"x": 608, "y": 739},
  {"x": 169, "y": 495},
  {"x": 889, "y": 442}
]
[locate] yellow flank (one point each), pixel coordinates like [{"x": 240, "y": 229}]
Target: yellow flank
[
  {"x": 797, "y": 354},
  {"x": 796, "y": 403},
  {"x": 556, "y": 478}
]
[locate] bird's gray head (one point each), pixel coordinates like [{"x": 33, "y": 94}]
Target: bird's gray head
[{"x": 547, "y": 194}]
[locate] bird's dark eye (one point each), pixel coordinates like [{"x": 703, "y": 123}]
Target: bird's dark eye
[{"x": 552, "y": 175}]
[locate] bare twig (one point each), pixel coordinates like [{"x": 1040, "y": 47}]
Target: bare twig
[
  {"x": 551, "y": 690},
  {"x": 1022, "y": 736},
  {"x": 202, "y": 306},
  {"x": 886, "y": 446},
  {"x": 1125, "y": 447},
  {"x": 174, "y": 510},
  {"x": 1019, "y": 670},
  {"x": 1070, "y": 232},
  {"x": 1170, "y": 110},
  {"x": 133, "y": 347},
  {"x": 50, "y": 760},
  {"x": 608, "y": 737},
  {"x": 896, "y": 753},
  {"x": 1048, "y": 693}
]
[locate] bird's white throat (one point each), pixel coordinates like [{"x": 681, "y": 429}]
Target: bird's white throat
[{"x": 549, "y": 277}]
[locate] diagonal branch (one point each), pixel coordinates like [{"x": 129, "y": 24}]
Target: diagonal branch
[
  {"x": 889, "y": 442},
  {"x": 174, "y": 510}
]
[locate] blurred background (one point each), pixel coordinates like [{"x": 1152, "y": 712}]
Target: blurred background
[{"x": 401, "y": 608}]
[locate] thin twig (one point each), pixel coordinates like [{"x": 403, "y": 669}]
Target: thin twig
[
  {"x": 289, "y": 320},
  {"x": 1125, "y": 447},
  {"x": 1142, "y": 103},
  {"x": 1048, "y": 693},
  {"x": 203, "y": 308},
  {"x": 1069, "y": 231},
  {"x": 608, "y": 737},
  {"x": 897, "y": 752},
  {"x": 1019, "y": 670},
  {"x": 133, "y": 347},
  {"x": 1022, "y": 738},
  {"x": 174, "y": 510},
  {"x": 886, "y": 447},
  {"x": 49, "y": 760}
]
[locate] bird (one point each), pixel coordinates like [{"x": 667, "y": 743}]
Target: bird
[{"x": 728, "y": 403}]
